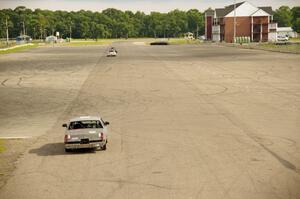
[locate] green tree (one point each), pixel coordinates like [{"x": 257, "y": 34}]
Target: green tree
[
  {"x": 296, "y": 18},
  {"x": 98, "y": 31},
  {"x": 283, "y": 16},
  {"x": 140, "y": 28},
  {"x": 110, "y": 23},
  {"x": 195, "y": 22},
  {"x": 42, "y": 23},
  {"x": 178, "y": 22},
  {"x": 84, "y": 27},
  {"x": 156, "y": 24},
  {"x": 5, "y": 23}
]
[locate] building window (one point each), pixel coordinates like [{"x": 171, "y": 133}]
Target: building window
[{"x": 216, "y": 22}]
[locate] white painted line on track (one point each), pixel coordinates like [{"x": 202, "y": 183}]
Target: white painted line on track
[
  {"x": 139, "y": 43},
  {"x": 17, "y": 137}
]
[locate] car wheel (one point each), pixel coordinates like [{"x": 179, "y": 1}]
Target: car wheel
[
  {"x": 103, "y": 148},
  {"x": 67, "y": 150}
]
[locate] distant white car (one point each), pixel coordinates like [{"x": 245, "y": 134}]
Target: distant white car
[
  {"x": 85, "y": 132},
  {"x": 112, "y": 52},
  {"x": 282, "y": 38},
  {"x": 202, "y": 38}
]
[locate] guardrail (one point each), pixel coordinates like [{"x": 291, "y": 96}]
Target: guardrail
[{"x": 4, "y": 44}]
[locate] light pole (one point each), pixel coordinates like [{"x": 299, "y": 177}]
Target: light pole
[
  {"x": 70, "y": 31},
  {"x": 6, "y": 31},
  {"x": 234, "y": 22},
  {"x": 197, "y": 33},
  {"x": 23, "y": 28}
]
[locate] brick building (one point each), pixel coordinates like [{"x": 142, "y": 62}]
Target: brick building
[{"x": 253, "y": 22}]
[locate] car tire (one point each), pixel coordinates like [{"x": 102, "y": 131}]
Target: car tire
[
  {"x": 104, "y": 147},
  {"x": 67, "y": 150}
]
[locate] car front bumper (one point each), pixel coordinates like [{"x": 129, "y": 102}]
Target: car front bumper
[{"x": 79, "y": 145}]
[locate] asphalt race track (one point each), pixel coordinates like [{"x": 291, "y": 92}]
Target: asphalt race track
[{"x": 187, "y": 122}]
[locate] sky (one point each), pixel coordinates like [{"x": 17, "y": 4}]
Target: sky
[{"x": 136, "y": 5}]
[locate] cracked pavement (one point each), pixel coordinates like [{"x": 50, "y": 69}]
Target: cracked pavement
[{"x": 187, "y": 121}]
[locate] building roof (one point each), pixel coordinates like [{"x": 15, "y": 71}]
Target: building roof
[
  {"x": 222, "y": 12},
  {"x": 209, "y": 11},
  {"x": 51, "y": 36},
  {"x": 23, "y": 36},
  {"x": 267, "y": 9}
]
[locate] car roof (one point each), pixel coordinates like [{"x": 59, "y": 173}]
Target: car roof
[{"x": 84, "y": 118}]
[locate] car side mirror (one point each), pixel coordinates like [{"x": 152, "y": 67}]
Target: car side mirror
[
  {"x": 65, "y": 125},
  {"x": 106, "y": 123}
]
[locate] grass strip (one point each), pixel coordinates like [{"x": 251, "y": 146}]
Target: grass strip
[
  {"x": 87, "y": 42},
  {"x": 2, "y": 148},
  {"x": 294, "y": 48},
  {"x": 18, "y": 49}
]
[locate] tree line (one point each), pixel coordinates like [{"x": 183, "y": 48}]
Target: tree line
[
  {"x": 113, "y": 23},
  {"x": 110, "y": 23},
  {"x": 288, "y": 17}
]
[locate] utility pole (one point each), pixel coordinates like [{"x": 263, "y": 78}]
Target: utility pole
[
  {"x": 41, "y": 33},
  {"x": 6, "y": 32},
  {"x": 33, "y": 32},
  {"x": 234, "y": 22},
  {"x": 70, "y": 31},
  {"x": 197, "y": 33},
  {"x": 24, "y": 28}
]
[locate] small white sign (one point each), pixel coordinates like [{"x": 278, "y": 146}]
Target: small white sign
[{"x": 57, "y": 34}]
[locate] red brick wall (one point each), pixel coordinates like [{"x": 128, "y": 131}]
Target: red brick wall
[
  {"x": 264, "y": 20},
  {"x": 261, "y": 20},
  {"x": 243, "y": 27},
  {"x": 209, "y": 20}
]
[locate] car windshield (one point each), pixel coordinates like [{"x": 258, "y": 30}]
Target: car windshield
[{"x": 87, "y": 124}]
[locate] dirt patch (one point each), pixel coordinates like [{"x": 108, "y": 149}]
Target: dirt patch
[{"x": 10, "y": 151}]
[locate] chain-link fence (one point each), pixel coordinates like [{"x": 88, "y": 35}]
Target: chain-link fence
[{"x": 5, "y": 44}]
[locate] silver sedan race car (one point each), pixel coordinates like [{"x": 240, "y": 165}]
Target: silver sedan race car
[{"x": 86, "y": 132}]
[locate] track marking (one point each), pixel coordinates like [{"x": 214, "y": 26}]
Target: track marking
[
  {"x": 3, "y": 82},
  {"x": 17, "y": 137},
  {"x": 19, "y": 82},
  {"x": 139, "y": 43}
]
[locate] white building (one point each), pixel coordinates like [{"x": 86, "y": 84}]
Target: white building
[{"x": 286, "y": 31}]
